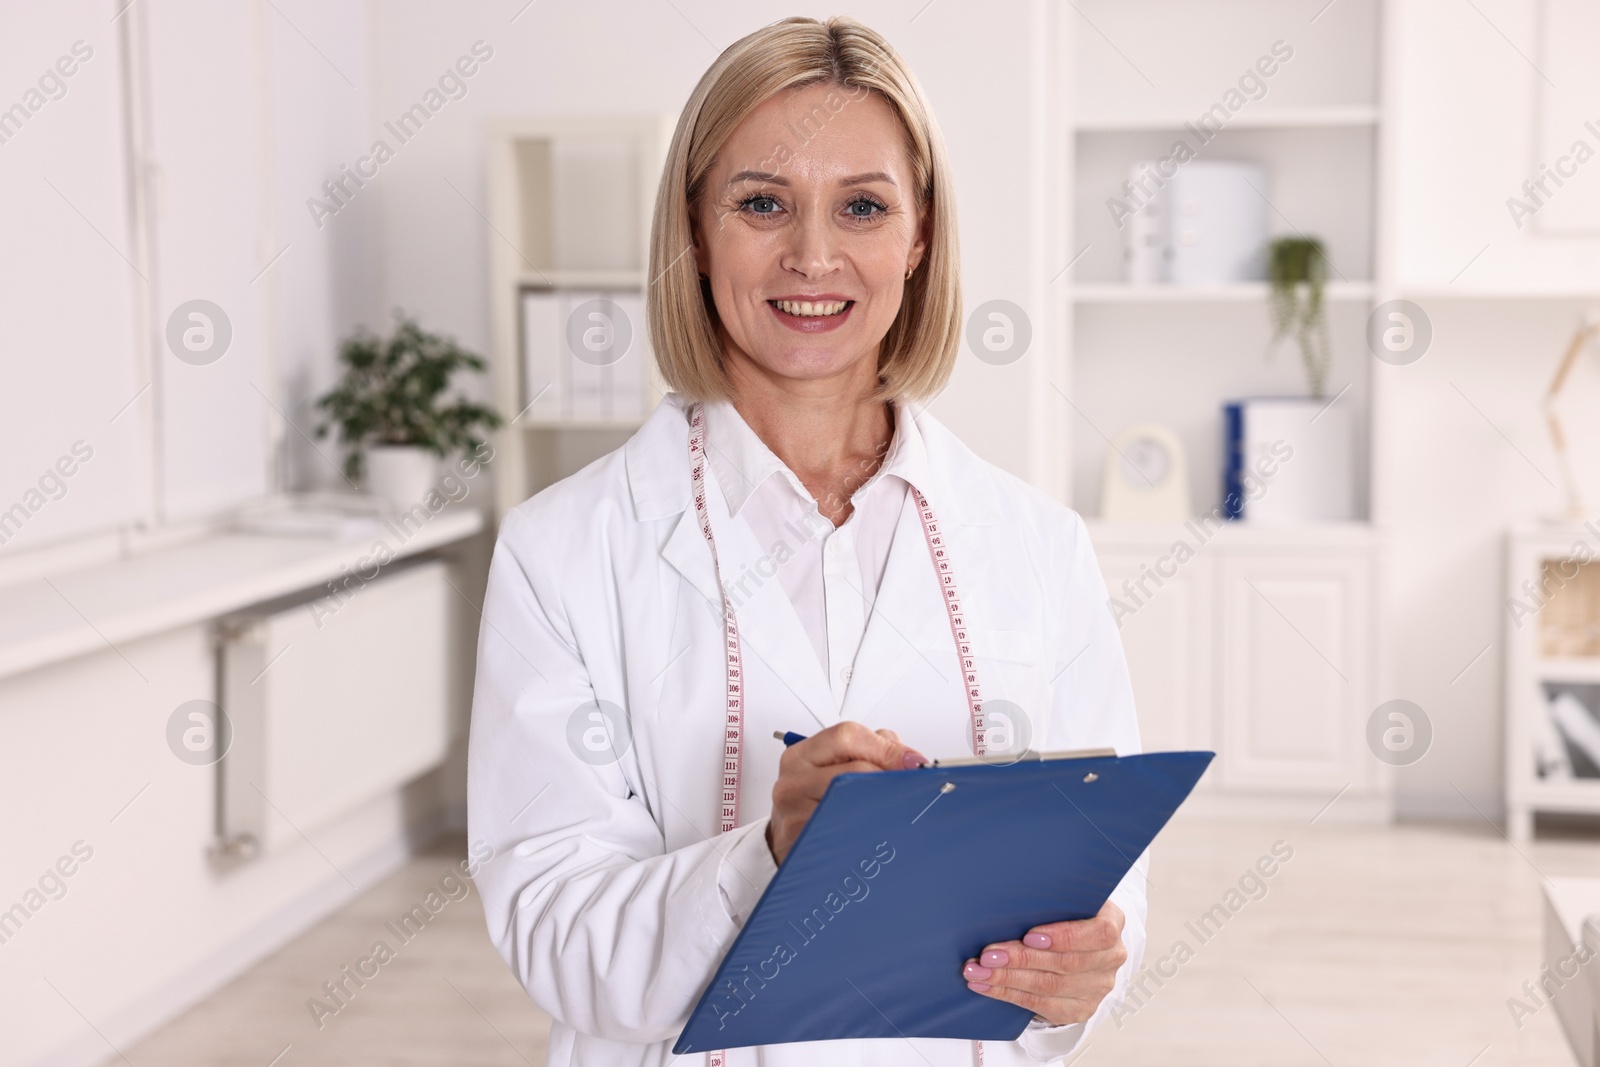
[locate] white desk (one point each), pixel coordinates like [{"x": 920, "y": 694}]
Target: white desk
[
  {"x": 46, "y": 620},
  {"x": 1567, "y": 902}
]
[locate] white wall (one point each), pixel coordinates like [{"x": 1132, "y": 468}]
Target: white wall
[
  {"x": 242, "y": 135},
  {"x": 242, "y": 111},
  {"x": 330, "y": 277},
  {"x": 71, "y": 366},
  {"x": 207, "y": 162}
]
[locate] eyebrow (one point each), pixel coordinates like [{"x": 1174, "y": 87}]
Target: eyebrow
[{"x": 778, "y": 179}]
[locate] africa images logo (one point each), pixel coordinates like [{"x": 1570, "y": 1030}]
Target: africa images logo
[{"x": 738, "y": 989}]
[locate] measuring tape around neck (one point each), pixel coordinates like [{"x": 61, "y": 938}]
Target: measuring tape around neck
[{"x": 733, "y": 722}]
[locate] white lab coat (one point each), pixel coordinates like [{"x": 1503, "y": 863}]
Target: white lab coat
[{"x": 611, "y": 895}]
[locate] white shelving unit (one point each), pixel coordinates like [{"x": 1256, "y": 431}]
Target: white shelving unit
[
  {"x": 1552, "y": 642},
  {"x": 1353, "y": 115},
  {"x": 570, "y": 201},
  {"x": 1265, "y": 645},
  {"x": 1237, "y": 292}
]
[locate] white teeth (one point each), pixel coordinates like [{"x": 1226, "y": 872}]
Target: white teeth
[{"x": 807, "y": 307}]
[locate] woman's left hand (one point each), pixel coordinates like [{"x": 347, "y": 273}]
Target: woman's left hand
[{"x": 1059, "y": 971}]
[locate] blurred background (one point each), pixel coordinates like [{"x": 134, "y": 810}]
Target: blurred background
[{"x": 1293, "y": 301}]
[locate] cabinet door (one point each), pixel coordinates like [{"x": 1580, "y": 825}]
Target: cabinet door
[
  {"x": 1166, "y": 635},
  {"x": 1296, "y": 671},
  {"x": 1501, "y": 119}
]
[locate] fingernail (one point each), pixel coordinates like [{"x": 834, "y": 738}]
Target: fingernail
[
  {"x": 1036, "y": 940},
  {"x": 977, "y": 971},
  {"x": 913, "y": 759},
  {"x": 978, "y": 987},
  {"x": 994, "y": 958}
]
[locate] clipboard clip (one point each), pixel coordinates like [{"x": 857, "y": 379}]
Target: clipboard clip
[{"x": 1025, "y": 755}]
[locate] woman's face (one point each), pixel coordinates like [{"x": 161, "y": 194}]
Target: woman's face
[{"x": 806, "y": 228}]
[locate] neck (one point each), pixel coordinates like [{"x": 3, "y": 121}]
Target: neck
[
  {"x": 819, "y": 438},
  {"x": 829, "y": 432}
]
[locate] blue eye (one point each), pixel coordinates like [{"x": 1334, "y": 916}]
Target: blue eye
[
  {"x": 748, "y": 203},
  {"x": 862, "y": 208},
  {"x": 865, "y": 202}
]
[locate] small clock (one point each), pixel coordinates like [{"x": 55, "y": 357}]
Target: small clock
[
  {"x": 1147, "y": 459},
  {"x": 1146, "y": 476}
]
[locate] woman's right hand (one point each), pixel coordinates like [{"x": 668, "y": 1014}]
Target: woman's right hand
[{"x": 808, "y": 766}]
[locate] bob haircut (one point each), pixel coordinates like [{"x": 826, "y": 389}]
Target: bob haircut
[{"x": 919, "y": 350}]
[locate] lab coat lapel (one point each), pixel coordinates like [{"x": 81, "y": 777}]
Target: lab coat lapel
[
  {"x": 686, "y": 551},
  {"x": 768, "y": 625},
  {"x": 909, "y": 627}
]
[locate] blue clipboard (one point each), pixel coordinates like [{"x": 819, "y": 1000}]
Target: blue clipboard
[{"x": 864, "y": 929}]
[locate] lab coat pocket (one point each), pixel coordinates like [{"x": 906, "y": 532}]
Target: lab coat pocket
[
  {"x": 1010, "y": 646},
  {"x": 1015, "y": 695}
]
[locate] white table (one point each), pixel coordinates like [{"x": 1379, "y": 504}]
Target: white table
[
  {"x": 1567, "y": 902},
  {"x": 46, "y": 620}
]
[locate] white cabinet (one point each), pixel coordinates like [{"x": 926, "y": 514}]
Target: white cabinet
[
  {"x": 1483, "y": 124},
  {"x": 1261, "y": 646},
  {"x": 1552, "y": 658},
  {"x": 1168, "y": 642},
  {"x": 1294, "y": 692}
]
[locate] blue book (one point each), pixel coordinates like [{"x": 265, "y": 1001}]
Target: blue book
[
  {"x": 900, "y": 877},
  {"x": 1233, "y": 460}
]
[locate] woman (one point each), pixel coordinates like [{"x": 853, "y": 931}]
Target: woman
[{"x": 770, "y": 552}]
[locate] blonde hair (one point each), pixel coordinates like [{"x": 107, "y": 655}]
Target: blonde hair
[{"x": 919, "y": 350}]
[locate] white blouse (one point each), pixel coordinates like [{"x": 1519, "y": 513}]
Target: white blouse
[{"x": 831, "y": 576}]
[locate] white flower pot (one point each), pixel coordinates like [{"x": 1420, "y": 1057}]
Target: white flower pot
[{"x": 401, "y": 475}]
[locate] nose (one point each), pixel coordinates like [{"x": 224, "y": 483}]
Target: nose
[{"x": 813, "y": 251}]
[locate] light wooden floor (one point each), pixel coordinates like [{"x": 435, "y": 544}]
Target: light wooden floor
[
  {"x": 1370, "y": 946},
  {"x": 445, "y": 1000}
]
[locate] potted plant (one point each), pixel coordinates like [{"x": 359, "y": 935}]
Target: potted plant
[
  {"x": 392, "y": 413},
  {"x": 1297, "y": 270},
  {"x": 1309, "y": 438}
]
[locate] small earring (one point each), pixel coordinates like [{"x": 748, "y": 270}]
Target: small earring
[{"x": 908, "y": 273}]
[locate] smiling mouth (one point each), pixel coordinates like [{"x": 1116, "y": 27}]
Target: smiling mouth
[{"x": 807, "y": 309}]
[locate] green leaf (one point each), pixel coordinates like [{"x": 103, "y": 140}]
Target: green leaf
[
  {"x": 395, "y": 390},
  {"x": 1297, "y": 271}
]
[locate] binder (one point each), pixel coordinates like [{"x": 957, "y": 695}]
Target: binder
[
  {"x": 1287, "y": 460},
  {"x": 886, "y": 894},
  {"x": 1233, "y": 449}
]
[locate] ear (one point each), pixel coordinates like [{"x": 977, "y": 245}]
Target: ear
[
  {"x": 702, "y": 258},
  {"x": 919, "y": 247}
]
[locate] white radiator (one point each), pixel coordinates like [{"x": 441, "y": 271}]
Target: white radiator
[{"x": 332, "y": 702}]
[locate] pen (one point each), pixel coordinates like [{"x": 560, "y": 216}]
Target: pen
[{"x": 789, "y": 737}]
